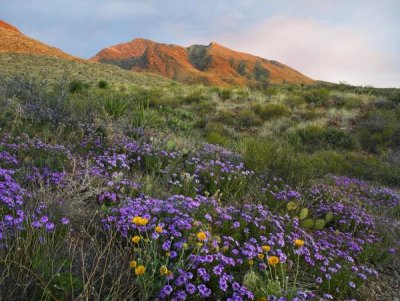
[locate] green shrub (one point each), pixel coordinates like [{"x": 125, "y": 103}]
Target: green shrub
[
  {"x": 379, "y": 130},
  {"x": 115, "y": 107},
  {"x": 226, "y": 117},
  {"x": 316, "y": 137},
  {"x": 248, "y": 118},
  {"x": 217, "y": 138},
  {"x": 225, "y": 94},
  {"x": 76, "y": 86},
  {"x": 194, "y": 97},
  {"x": 318, "y": 97},
  {"x": 142, "y": 115},
  {"x": 102, "y": 84},
  {"x": 271, "y": 110}
]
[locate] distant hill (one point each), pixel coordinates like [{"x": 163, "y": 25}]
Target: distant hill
[
  {"x": 13, "y": 41},
  {"x": 23, "y": 56},
  {"x": 212, "y": 64}
]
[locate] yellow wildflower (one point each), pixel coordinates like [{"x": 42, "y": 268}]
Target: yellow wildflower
[
  {"x": 136, "y": 239},
  {"x": 266, "y": 248},
  {"x": 185, "y": 245},
  {"x": 260, "y": 256},
  {"x": 159, "y": 229},
  {"x": 140, "y": 270},
  {"x": 299, "y": 242},
  {"x": 251, "y": 262},
  {"x": 163, "y": 270},
  {"x": 273, "y": 260},
  {"x": 133, "y": 264},
  {"x": 201, "y": 235},
  {"x": 140, "y": 221}
]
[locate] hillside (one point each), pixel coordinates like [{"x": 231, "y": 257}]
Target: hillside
[
  {"x": 33, "y": 66},
  {"x": 212, "y": 64},
  {"x": 13, "y": 41}
]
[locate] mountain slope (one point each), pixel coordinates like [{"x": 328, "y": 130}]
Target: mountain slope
[
  {"x": 212, "y": 64},
  {"x": 13, "y": 41}
]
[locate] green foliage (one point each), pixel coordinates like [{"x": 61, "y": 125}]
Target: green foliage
[
  {"x": 379, "y": 130},
  {"x": 76, "y": 86},
  {"x": 319, "y": 224},
  {"x": 102, "y": 84},
  {"x": 225, "y": 94},
  {"x": 260, "y": 73},
  {"x": 316, "y": 137},
  {"x": 271, "y": 110},
  {"x": 247, "y": 118},
  {"x": 303, "y": 213},
  {"x": 115, "y": 106},
  {"x": 142, "y": 115},
  {"x": 318, "y": 97},
  {"x": 308, "y": 223}
]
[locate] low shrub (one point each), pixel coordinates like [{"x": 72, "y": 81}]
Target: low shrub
[
  {"x": 247, "y": 118},
  {"x": 271, "y": 110},
  {"x": 315, "y": 137},
  {"x": 318, "y": 97},
  {"x": 102, "y": 84}
]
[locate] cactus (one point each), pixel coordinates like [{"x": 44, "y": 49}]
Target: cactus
[
  {"x": 303, "y": 213},
  {"x": 308, "y": 223},
  {"x": 291, "y": 205},
  {"x": 329, "y": 217},
  {"x": 319, "y": 224}
]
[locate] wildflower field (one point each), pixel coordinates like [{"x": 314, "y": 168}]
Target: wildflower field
[{"x": 95, "y": 207}]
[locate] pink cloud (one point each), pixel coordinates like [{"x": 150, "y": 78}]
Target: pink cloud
[{"x": 321, "y": 50}]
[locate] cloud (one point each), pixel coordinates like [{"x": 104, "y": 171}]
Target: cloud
[{"x": 321, "y": 50}]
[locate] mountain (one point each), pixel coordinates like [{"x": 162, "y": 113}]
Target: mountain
[
  {"x": 211, "y": 65},
  {"x": 14, "y": 41}
]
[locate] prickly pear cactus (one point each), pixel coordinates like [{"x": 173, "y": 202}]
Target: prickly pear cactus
[
  {"x": 329, "y": 217},
  {"x": 308, "y": 223},
  {"x": 291, "y": 206},
  {"x": 303, "y": 213},
  {"x": 319, "y": 224}
]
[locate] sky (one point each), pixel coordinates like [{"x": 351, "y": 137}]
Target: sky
[{"x": 356, "y": 41}]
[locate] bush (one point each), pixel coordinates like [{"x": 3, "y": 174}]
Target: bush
[
  {"x": 379, "y": 130},
  {"x": 315, "y": 138},
  {"x": 225, "y": 94},
  {"x": 271, "y": 110},
  {"x": 318, "y": 97},
  {"x": 102, "y": 84},
  {"x": 194, "y": 97},
  {"x": 248, "y": 118},
  {"x": 115, "y": 107},
  {"x": 226, "y": 117},
  {"x": 76, "y": 86}
]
